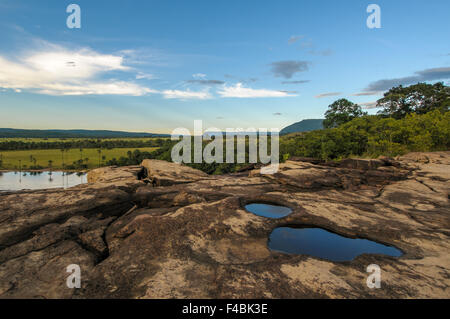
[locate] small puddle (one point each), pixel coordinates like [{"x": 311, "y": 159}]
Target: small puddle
[
  {"x": 320, "y": 243},
  {"x": 269, "y": 211}
]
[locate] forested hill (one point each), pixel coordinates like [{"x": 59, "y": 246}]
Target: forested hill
[
  {"x": 19, "y": 133},
  {"x": 303, "y": 126}
]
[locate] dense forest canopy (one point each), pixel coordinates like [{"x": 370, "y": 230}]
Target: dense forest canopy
[
  {"x": 413, "y": 118},
  {"x": 372, "y": 136}
]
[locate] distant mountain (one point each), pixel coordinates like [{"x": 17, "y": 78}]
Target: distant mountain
[
  {"x": 10, "y": 133},
  {"x": 303, "y": 126}
]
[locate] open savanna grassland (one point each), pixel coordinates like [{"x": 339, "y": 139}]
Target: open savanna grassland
[{"x": 10, "y": 159}]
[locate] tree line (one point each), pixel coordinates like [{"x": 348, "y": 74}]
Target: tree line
[
  {"x": 397, "y": 103},
  {"x": 414, "y": 118},
  {"x": 12, "y": 145}
]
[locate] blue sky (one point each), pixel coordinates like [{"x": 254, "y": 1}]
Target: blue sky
[{"x": 157, "y": 65}]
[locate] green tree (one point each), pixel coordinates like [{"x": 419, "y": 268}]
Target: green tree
[
  {"x": 341, "y": 112},
  {"x": 419, "y": 98}
]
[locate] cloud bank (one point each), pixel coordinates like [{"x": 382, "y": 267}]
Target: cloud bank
[
  {"x": 286, "y": 69},
  {"x": 57, "y": 71},
  {"x": 186, "y": 95},
  {"x": 327, "y": 94},
  {"x": 296, "y": 82},
  {"x": 206, "y": 82},
  {"x": 419, "y": 76},
  {"x": 239, "y": 91}
]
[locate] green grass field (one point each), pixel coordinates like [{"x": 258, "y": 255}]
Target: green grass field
[{"x": 10, "y": 159}]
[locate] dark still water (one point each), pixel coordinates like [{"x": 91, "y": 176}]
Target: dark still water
[
  {"x": 320, "y": 243},
  {"x": 269, "y": 211},
  {"x": 15, "y": 181}
]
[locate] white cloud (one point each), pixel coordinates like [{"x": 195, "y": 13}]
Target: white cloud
[
  {"x": 239, "y": 91},
  {"x": 113, "y": 88},
  {"x": 82, "y": 64},
  {"x": 186, "y": 95},
  {"x": 199, "y": 76},
  {"x": 144, "y": 76},
  {"x": 57, "y": 71}
]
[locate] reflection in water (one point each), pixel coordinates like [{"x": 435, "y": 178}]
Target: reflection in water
[
  {"x": 14, "y": 181},
  {"x": 269, "y": 211},
  {"x": 320, "y": 243}
]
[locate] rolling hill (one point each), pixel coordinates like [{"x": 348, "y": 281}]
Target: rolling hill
[{"x": 303, "y": 126}]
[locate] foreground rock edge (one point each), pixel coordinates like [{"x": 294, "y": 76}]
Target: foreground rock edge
[{"x": 164, "y": 231}]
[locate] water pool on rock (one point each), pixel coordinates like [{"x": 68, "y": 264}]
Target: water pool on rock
[
  {"x": 16, "y": 181},
  {"x": 269, "y": 211},
  {"x": 320, "y": 243}
]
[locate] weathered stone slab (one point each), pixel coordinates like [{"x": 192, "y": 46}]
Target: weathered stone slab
[{"x": 190, "y": 236}]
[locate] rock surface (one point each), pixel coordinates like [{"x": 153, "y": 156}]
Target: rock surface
[
  {"x": 162, "y": 173},
  {"x": 168, "y": 231}
]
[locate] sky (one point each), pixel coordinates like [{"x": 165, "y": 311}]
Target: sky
[{"x": 154, "y": 66}]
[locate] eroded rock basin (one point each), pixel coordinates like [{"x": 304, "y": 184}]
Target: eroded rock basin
[
  {"x": 323, "y": 244},
  {"x": 268, "y": 210}
]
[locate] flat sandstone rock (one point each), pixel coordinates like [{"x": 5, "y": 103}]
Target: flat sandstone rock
[{"x": 163, "y": 230}]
